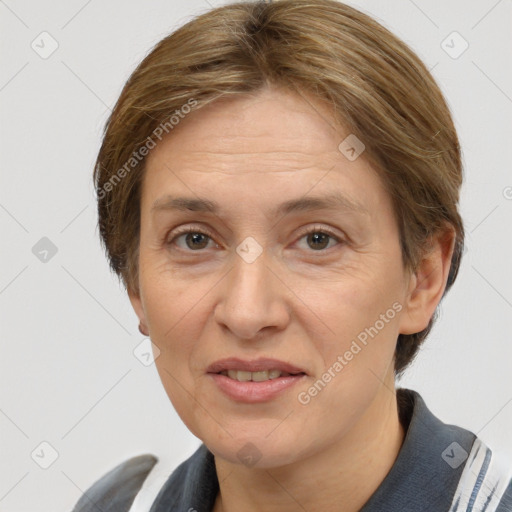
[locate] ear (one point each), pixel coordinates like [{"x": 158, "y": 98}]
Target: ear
[
  {"x": 427, "y": 283},
  {"x": 138, "y": 307}
]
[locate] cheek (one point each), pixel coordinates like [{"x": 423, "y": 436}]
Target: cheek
[
  {"x": 171, "y": 310},
  {"x": 176, "y": 316},
  {"x": 170, "y": 299},
  {"x": 360, "y": 312},
  {"x": 356, "y": 357},
  {"x": 177, "y": 309}
]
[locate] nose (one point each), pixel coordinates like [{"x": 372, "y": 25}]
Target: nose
[{"x": 253, "y": 298}]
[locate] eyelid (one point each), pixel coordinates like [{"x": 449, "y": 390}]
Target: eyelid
[{"x": 323, "y": 229}]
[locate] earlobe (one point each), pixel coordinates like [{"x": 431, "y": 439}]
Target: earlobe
[
  {"x": 139, "y": 311},
  {"x": 427, "y": 284}
]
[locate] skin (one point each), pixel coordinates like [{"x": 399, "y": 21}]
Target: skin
[{"x": 300, "y": 302}]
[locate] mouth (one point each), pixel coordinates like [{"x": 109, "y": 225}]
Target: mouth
[
  {"x": 257, "y": 370},
  {"x": 255, "y": 381},
  {"x": 261, "y": 376}
]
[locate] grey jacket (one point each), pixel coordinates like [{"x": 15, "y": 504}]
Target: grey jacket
[{"x": 440, "y": 468}]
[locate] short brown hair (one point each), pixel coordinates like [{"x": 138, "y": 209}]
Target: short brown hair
[{"x": 374, "y": 84}]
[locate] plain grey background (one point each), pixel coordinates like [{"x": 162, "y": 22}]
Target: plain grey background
[{"x": 69, "y": 375}]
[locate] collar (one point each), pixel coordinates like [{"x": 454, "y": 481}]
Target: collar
[{"x": 419, "y": 480}]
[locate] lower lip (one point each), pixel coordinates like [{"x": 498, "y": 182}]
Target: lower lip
[{"x": 254, "y": 392}]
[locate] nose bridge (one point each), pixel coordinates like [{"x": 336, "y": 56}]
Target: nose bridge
[
  {"x": 251, "y": 298},
  {"x": 251, "y": 279}
]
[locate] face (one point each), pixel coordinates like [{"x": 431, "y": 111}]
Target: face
[{"x": 317, "y": 286}]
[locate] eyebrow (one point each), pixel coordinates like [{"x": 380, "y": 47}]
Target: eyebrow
[{"x": 330, "y": 201}]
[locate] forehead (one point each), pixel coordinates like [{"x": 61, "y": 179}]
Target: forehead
[
  {"x": 274, "y": 145},
  {"x": 270, "y": 124}
]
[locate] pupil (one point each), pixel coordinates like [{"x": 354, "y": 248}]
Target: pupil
[
  {"x": 195, "y": 237},
  {"x": 322, "y": 237}
]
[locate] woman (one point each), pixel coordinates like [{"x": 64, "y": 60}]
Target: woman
[{"x": 278, "y": 190}]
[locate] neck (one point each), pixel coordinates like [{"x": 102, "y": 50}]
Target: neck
[{"x": 347, "y": 472}]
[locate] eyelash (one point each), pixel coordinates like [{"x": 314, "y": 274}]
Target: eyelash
[{"x": 204, "y": 231}]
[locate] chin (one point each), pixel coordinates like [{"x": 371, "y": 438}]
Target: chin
[{"x": 254, "y": 453}]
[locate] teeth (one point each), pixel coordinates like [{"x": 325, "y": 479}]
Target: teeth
[
  {"x": 239, "y": 375},
  {"x": 254, "y": 376}
]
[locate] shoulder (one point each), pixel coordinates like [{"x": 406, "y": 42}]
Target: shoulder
[
  {"x": 192, "y": 485},
  {"x": 464, "y": 469},
  {"x": 116, "y": 490},
  {"x": 486, "y": 481},
  {"x": 144, "y": 482}
]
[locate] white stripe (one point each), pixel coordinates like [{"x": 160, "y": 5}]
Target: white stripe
[
  {"x": 469, "y": 476},
  {"x": 155, "y": 480},
  {"x": 497, "y": 477}
]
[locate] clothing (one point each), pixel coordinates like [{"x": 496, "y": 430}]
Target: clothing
[{"x": 440, "y": 468}]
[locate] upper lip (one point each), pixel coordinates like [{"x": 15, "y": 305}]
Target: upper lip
[{"x": 258, "y": 365}]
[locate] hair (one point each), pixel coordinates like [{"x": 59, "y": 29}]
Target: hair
[{"x": 374, "y": 84}]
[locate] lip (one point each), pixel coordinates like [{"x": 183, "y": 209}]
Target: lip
[
  {"x": 257, "y": 365},
  {"x": 254, "y": 392}
]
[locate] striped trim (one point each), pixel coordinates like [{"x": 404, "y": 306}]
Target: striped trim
[{"x": 483, "y": 482}]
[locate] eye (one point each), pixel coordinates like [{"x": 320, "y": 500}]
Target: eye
[
  {"x": 194, "y": 239},
  {"x": 318, "y": 238}
]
